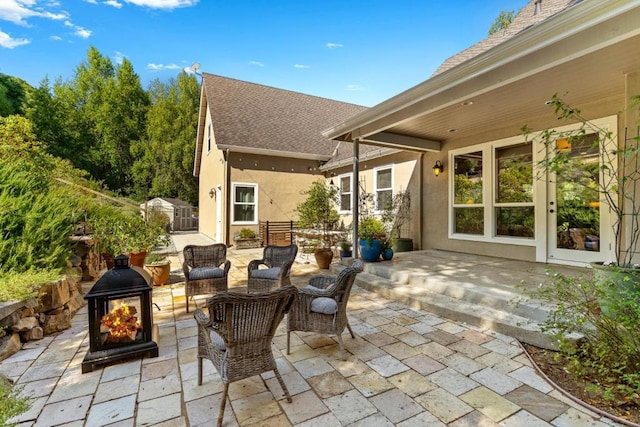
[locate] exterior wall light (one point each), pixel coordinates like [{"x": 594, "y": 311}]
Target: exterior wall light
[
  {"x": 212, "y": 193},
  {"x": 438, "y": 168}
]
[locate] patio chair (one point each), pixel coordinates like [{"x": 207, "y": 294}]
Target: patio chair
[
  {"x": 278, "y": 260},
  {"x": 206, "y": 269},
  {"x": 321, "y": 307},
  {"x": 236, "y": 335}
]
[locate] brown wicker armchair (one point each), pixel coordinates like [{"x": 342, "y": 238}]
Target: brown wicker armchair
[
  {"x": 237, "y": 334},
  {"x": 278, "y": 260},
  {"x": 206, "y": 269},
  {"x": 322, "y": 306}
]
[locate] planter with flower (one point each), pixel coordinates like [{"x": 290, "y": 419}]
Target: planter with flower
[
  {"x": 160, "y": 268},
  {"x": 370, "y": 234},
  {"x": 345, "y": 249},
  {"x": 247, "y": 238}
]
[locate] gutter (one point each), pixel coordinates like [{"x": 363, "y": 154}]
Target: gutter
[
  {"x": 375, "y": 154},
  {"x": 575, "y": 19},
  {"x": 274, "y": 153}
]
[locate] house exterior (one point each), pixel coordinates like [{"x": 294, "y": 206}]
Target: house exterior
[
  {"x": 257, "y": 149},
  {"x": 179, "y": 212},
  {"x": 469, "y": 117}
]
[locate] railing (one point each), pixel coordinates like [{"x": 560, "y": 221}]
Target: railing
[{"x": 277, "y": 232}]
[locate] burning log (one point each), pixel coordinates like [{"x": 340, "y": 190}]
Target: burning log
[{"x": 120, "y": 324}]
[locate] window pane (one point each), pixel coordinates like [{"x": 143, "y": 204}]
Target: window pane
[
  {"x": 384, "y": 178},
  {"x": 244, "y": 194},
  {"x": 515, "y": 221},
  {"x": 384, "y": 199},
  {"x": 345, "y": 185},
  {"x": 469, "y": 220},
  {"x": 468, "y": 178},
  {"x": 515, "y": 174},
  {"x": 244, "y": 213},
  {"x": 345, "y": 202}
]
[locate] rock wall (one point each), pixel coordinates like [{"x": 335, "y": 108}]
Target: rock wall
[{"x": 50, "y": 312}]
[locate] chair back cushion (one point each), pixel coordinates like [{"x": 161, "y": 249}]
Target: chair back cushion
[
  {"x": 200, "y": 273},
  {"x": 266, "y": 273},
  {"x": 324, "y": 305}
]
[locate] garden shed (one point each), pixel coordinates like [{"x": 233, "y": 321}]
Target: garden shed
[{"x": 179, "y": 212}]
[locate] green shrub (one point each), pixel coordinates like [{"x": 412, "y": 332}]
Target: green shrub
[
  {"x": 11, "y": 404},
  {"x": 17, "y": 286},
  {"x": 370, "y": 228},
  {"x": 247, "y": 233}
]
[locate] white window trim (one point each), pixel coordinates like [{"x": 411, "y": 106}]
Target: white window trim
[
  {"x": 488, "y": 194},
  {"x": 209, "y": 137},
  {"x": 375, "y": 186},
  {"x": 233, "y": 202},
  {"x": 339, "y": 178}
]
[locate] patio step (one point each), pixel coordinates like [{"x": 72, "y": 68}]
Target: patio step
[{"x": 481, "y": 307}]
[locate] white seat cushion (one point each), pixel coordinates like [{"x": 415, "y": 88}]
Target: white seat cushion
[
  {"x": 324, "y": 305},
  {"x": 266, "y": 273},
  {"x": 200, "y": 273}
]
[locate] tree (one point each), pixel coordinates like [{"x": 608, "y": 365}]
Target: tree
[
  {"x": 13, "y": 93},
  {"x": 502, "y": 21},
  {"x": 164, "y": 159}
]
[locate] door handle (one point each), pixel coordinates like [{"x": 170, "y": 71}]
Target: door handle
[{"x": 551, "y": 211}]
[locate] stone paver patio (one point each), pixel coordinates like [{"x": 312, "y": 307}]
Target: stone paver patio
[{"x": 406, "y": 368}]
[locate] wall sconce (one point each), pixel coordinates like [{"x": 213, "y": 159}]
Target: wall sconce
[
  {"x": 212, "y": 193},
  {"x": 438, "y": 168}
]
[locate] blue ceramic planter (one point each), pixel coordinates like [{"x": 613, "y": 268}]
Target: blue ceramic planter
[{"x": 370, "y": 252}]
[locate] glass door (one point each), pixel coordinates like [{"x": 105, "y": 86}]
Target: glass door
[{"x": 578, "y": 217}]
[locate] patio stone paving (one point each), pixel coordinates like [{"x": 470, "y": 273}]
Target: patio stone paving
[{"x": 404, "y": 368}]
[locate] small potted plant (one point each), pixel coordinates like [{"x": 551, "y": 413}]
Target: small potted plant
[
  {"x": 386, "y": 248},
  {"x": 345, "y": 249},
  {"x": 160, "y": 268}
]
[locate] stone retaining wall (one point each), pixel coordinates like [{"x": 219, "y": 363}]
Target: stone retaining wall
[{"x": 48, "y": 313}]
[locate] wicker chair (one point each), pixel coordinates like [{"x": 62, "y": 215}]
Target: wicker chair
[
  {"x": 322, "y": 306},
  {"x": 206, "y": 269},
  {"x": 278, "y": 260},
  {"x": 237, "y": 334}
]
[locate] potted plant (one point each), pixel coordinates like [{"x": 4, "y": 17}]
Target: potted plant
[
  {"x": 613, "y": 180},
  {"x": 319, "y": 213},
  {"x": 370, "y": 232},
  {"x": 159, "y": 266},
  {"x": 345, "y": 249},
  {"x": 247, "y": 238},
  {"x": 386, "y": 248},
  {"x": 397, "y": 214}
]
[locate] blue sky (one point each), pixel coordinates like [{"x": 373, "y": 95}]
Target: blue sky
[{"x": 358, "y": 51}]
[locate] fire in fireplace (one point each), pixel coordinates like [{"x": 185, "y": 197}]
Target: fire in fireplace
[{"x": 120, "y": 317}]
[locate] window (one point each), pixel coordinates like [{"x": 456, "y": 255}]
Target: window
[
  {"x": 513, "y": 205},
  {"x": 492, "y": 191},
  {"x": 344, "y": 183},
  {"x": 209, "y": 139},
  {"x": 383, "y": 188},
  {"x": 245, "y": 203},
  {"x": 468, "y": 207}
]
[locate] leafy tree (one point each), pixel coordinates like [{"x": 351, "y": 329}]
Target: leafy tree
[
  {"x": 502, "y": 21},
  {"x": 13, "y": 93},
  {"x": 164, "y": 160}
]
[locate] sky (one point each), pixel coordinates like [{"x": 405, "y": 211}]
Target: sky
[{"x": 357, "y": 51}]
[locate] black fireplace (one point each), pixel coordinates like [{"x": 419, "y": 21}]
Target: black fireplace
[{"x": 120, "y": 318}]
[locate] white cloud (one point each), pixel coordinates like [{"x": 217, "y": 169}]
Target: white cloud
[
  {"x": 160, "y": 67},
  {"x": 91, "y": 1},
  {"x": 301, "y": 66},
  {"x": 55, "y": 38},
  {"x": 334, "y": 45},
  {"x": 10, "y": 43},
  {"x": 256, "y": 63},
  {"x": 18, "y": 11},
  {"x": 118, "y": 57},
  {"x": 163, "y": 4},
  {"x": 353, "y": 87},
  {"x": 78, "y": 30},
  {"x": 113, "y": 3}
]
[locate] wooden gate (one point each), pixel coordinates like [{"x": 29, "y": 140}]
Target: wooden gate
[{"x": 277, "y": 232}]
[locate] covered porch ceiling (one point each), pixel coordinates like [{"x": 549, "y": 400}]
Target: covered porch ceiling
[{"x": 583, "y": 54}]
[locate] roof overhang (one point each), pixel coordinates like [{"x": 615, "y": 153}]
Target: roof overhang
[
  {"x": 273, "y": 153},
  {"x": 583, "y": 52}
]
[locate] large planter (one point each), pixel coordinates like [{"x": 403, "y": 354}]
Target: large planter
[
  {"x": 248, "y": 243},
  {"x": 137, "y": 258},
  {"x": 617, "y": 284},
  {"x": 403, "y": 245},
  {"x": 370, "y": 251},
  {"x": 160, "y": 272},
  {"x": 323, "y": 256}
]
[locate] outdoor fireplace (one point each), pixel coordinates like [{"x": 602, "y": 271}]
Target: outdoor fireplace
[{"x": 120, "y": 318}]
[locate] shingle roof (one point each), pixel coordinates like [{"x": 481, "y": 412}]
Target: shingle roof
[
  {"x": 526, "y": 18},
  {"x": 250, "y": 115}
]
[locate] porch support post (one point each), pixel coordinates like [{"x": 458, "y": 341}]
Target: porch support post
[
  {"x": 355, "y": 183},
  {"x": 631, "y": 123}
]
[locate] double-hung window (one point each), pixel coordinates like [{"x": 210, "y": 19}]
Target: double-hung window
[
  {"x": 245, "y": 203},
  {"x": 383, "y": 187},
  {"x": 345, "y": 188}
]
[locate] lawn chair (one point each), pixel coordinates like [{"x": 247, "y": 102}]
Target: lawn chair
[
  {"x": 322, "y": 306},
  {"x": 237, "y": 333},
  {"x": 206, "y": 269},
  {"x": 278, "y": 260}
]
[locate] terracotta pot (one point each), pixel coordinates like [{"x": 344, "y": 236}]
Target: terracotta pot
[
  {"x": 324, "y": 256},
  {"x": 137, "y": 258},
  {"x": 108, "y": 260},
  {"x": 160, "y": 272}
]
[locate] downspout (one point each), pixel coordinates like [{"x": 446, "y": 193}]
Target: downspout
[
  {"x": 420, "y": 205},
  {"x": 355, "y": 183},
  {"x": 227, "y": 193}
]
